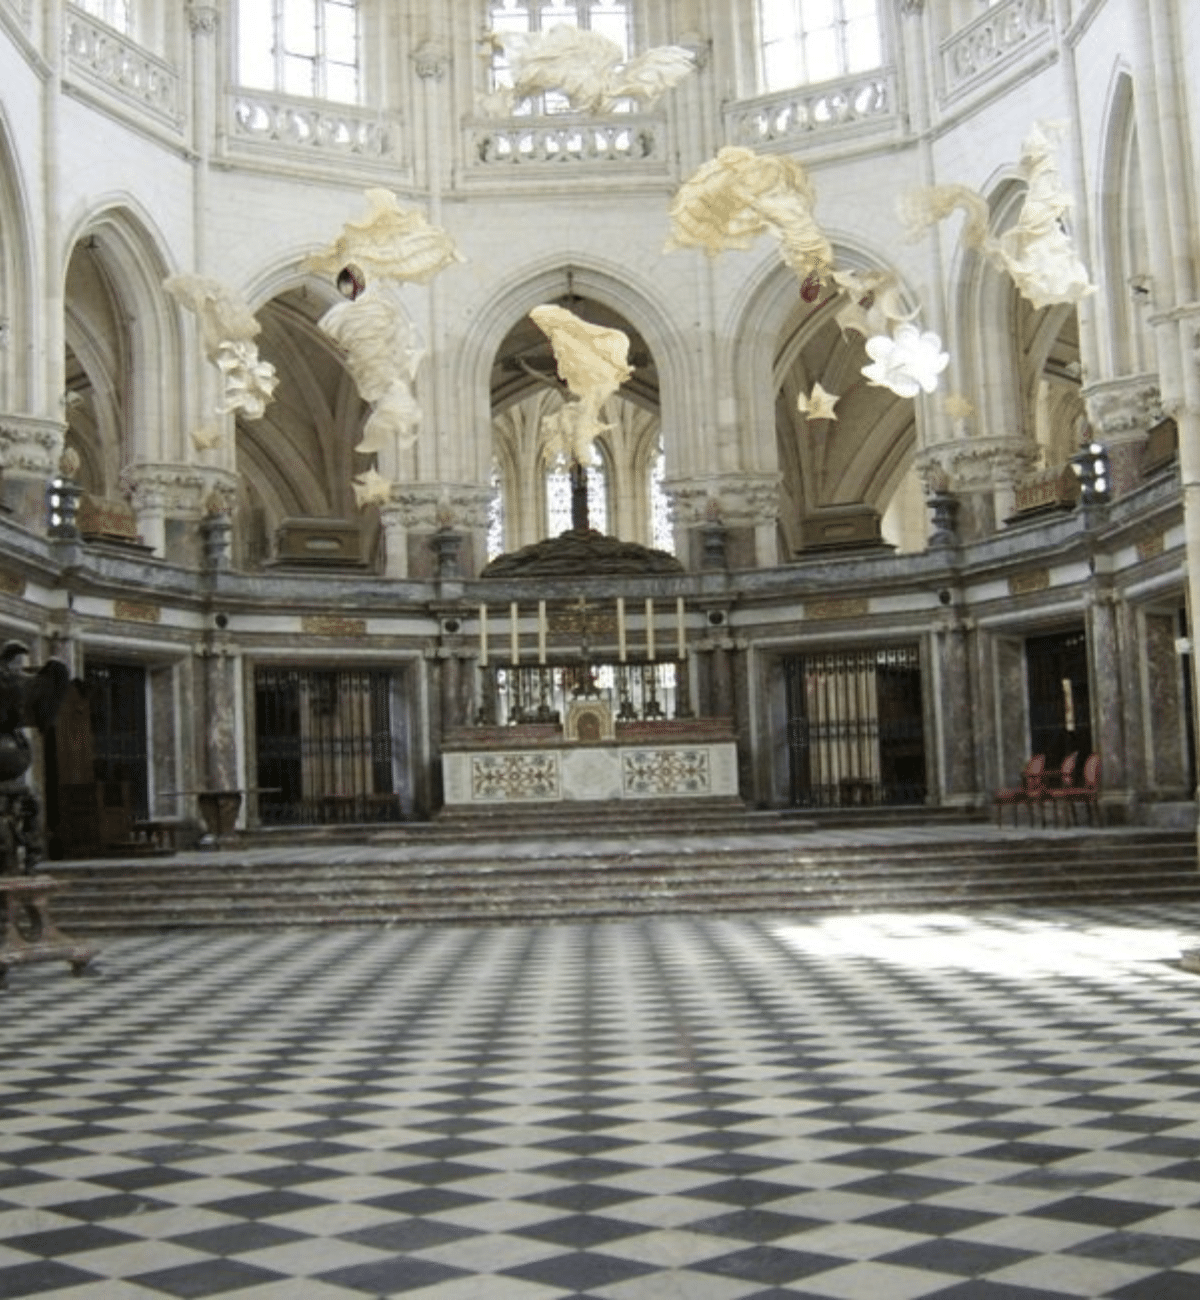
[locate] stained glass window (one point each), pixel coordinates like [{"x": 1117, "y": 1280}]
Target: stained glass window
[
  {"x": 558, "y": 500},
  {"x": 307, "y": 48},
  {"x": 806, "y": 41}
]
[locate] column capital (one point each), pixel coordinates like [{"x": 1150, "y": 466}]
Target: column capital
[
  {"x": 431, "y": 59},
  {"x": 203, "y": 19}
]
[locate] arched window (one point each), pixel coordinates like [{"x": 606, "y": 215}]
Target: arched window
[
  {"x": 116, "y": 13},
  {"x": 803, "y": 41},
  {"x": 610, "y": 18},
  {"x": 558, "y": 499},
  {"x": 307, "y": 48}
]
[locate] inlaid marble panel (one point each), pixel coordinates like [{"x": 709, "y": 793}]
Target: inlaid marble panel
[{"x": 506, "y": 778}]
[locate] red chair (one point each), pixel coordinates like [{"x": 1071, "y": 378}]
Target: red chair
[
  {"x": 1065, "y": 777},
  {"x": 1029, "y": 792},
  {"x": 1087, "y": 792}
]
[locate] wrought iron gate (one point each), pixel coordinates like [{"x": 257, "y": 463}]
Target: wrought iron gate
[
  {"x": 1060, "y": 712},
  {"x": 324, "y": 749},
  {"x": 117, "y": 702},
  {"x": 855, "y": 727}
]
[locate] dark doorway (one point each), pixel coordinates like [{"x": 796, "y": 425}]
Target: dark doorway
[
  {"x": 116, "y": 695},
  {"x": 855, "y": 728},
  {"x": 1060, "y": 710},
  {"x": 324, "y": 751}
]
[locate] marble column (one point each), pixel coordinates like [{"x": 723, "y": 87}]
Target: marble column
[
  {"x": 1108, "y": 722},
  {"x": 960, "y": 786},
  {"x": 220, "y": 729}
]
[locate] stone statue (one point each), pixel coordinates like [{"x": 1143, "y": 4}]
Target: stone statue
[
  {"x": 593, "y": 363},
  {"x": 228, "y": 330},
  {"x": 588, "y": 68},
  {"x": 737, "y": 196},
  {"x": 1037, "y": 251}
]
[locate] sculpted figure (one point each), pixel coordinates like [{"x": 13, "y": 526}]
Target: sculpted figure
[
  {"x": 383, "y": 352},
  {"x": 588, "y": 68},
  {"x": 1037, "y": 251},
  {"x": 737, "y": 196},
  {"x": 228, "y": 330},
  {"x": 388, "y": 241}
]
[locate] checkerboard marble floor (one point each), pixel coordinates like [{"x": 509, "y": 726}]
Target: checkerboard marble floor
[{"x": 997, "y": 1106}]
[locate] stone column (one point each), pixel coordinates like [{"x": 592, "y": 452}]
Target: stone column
[
  {"x": 1108, "y": 721},
  {"x": 960, "y": 786},
  {"x": 745, "y": 506},
  {"x": 1121, "y": 412},
  {"x": 29, "y": 452},
  {"x": 220, "y": 715},
  {"x": 982, "y": 473}
]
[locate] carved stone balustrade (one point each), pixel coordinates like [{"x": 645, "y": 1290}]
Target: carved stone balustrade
[
  {"x": 309, "y": 127},
  {"x": 102, "y": 57},
  {"x": 799, "y": 112},
  {"x": 1007, "y": 32},
  {"x": 624, "y": 138}
]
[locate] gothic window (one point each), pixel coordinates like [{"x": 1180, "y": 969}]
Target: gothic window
[
  {"x": 116, "y": 13},
  {"x": 804, "y": 41},
  {"x": 307, "y": 48},
  {"x": 610, "y": 18},
  {"x": 558, "y": 499},
  {"x": 662, "y": 534}
]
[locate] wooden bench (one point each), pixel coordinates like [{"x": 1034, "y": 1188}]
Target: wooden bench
[{"x": 29, "y": 931}]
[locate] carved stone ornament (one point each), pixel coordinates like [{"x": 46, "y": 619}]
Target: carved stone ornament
[
  {"x": 174, "y": 489},
  {"x": 974, "y": 464},
  {"x": 431, "y": 60},
  {"x": 29, "y": 445},
  {"x": 912, "y": 8},
  {"x": 429, "y": 506},
  {"x": 203, "y": 19},
  {"x": 743, "y": 501},
  {"x": 1123, "y": 408}
]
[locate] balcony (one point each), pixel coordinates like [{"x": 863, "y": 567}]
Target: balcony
[
  {"x": 1008, "y": 35},
  {"x": 787, "y": 118},
  {"x": 99, "y": 58}
]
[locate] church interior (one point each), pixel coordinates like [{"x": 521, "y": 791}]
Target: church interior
[{"x": 550, "y": 516}]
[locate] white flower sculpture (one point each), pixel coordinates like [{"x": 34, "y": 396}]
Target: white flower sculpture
[
  {"x": 908, "y": 362},
  {"x": 371, "y": 488}
]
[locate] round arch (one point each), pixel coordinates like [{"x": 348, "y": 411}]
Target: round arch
[{"x": 19, "y": 316}]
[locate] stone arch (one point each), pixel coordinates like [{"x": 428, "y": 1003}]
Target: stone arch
[
  {"x": 117, "y": 249},
  {"x": 19, "y": 317}
]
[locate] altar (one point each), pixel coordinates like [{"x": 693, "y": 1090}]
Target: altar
[{"x": 684, "y": 760}]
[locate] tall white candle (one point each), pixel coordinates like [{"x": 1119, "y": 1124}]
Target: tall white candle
[
  {"x": 541, "y": 631},
  {"x": 650, "y": 628},
  {"x": 514, "y": 635},
  {"x": 483, "y": 646},
  {"x": 621, "y": 628},
  {"x": 680, "y": 630}
]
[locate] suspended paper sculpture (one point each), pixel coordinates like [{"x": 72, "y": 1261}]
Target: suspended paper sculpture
[
  {"x": 589, "y": 69},
  {"x": 817, "y": 405},
  {"x": 593, "y": 363},
  {"x": 383, "y": 351},
  {"x": 737, "y": 196},
  {"x": 371, "y": 488},
  {"x": 907, "y": 362},
  {"x": 1037, "y": 251},
  {"x": 227, "y": 331},
  {"x": 389, "y": 241},
  {"x": 873, "y": 302}
]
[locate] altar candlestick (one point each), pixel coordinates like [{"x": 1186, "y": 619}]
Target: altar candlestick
[
  {"x": 621, "y": 628},
  {"x": 680, "y": 630},
  {"x": 514, "y": 635},
  {"x": 541, "y": 631},
  {"x": 483, "y": 646},
  {"x": 650, "y": 628}
]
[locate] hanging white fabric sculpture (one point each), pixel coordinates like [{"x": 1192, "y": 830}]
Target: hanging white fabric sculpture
[
  {"x": 388, "y": 241},
  {"x": 907, "y": 362},
  {"x": 1037, "y": 251}
]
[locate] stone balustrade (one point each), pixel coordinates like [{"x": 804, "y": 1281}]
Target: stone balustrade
[
  {"x": 803, "y": 110},
  {"x": 1005, "y": 32},
  {"x": 101, "y": 56},
  {"x": 626, "y": 138},
  {"x": 304, "y": 124}
]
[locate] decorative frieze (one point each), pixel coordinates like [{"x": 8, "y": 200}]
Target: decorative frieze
[
  {"x": 121, "y": 67},
  {"x": 800, "y": 114},
  {"x": 438, "y": 505},
  {"x": 333, "y": 625},
  {"x": 1149, "y": 548},
  {"x": 1004, "y": 33},
  {"x": 1123, "y": 408},
  {"x": 735, "y": 501},
  {"x": 11, "y": 584},
  {"x": 837, "y": 607},
  {"x": 30, "y": 446},
  {"x": 975, "y": 464}
]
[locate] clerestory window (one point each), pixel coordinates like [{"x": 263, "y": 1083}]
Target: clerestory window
[
  {"x": 308, "y": 48},
  {"x": 611, "y": 18},
  {"x": 804, "y": 41},
  {"x": 116, "y": 13}
]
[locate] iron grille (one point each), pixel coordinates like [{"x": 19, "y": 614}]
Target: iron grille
[
  {"x": 324, "y": 749},
  {"x": 855, "y": 729},
  {"x": 117, "y": 702}
]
